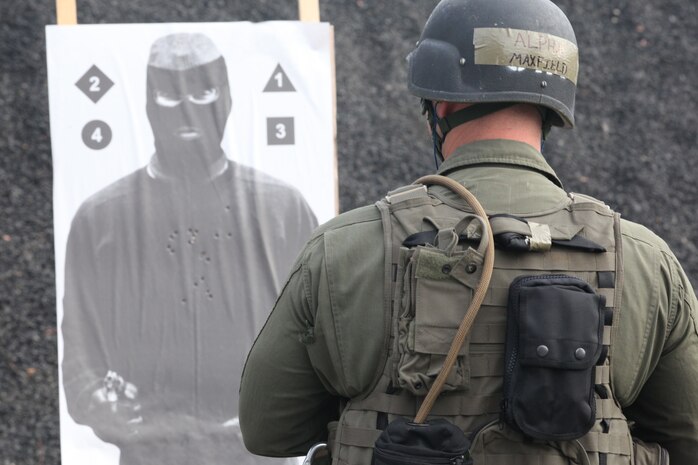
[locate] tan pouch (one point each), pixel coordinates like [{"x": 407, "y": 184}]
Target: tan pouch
[
  {"x": 435, "y": 285},
  {"x": 498, "y": 444},
  {"x": 649, "y": 453}
]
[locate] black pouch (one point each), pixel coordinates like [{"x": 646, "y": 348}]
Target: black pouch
[
  {"x": 436, "y": 442},
  {"x": 554, "y": 340}
]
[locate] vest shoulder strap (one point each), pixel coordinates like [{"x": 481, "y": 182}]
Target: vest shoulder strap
[{"x": 404, "y": 193}]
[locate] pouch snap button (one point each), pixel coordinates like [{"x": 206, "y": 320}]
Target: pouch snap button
[
  {"x": 471, "y": 268},
  {"x": 580, "y": 353},
  {"x": 542, "y": 351},
  {"x": 446, "y": 269}
]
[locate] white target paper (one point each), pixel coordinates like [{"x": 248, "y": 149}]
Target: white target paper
[{"x": 168, "y": 262}]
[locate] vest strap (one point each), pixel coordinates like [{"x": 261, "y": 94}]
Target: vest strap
[
  {"x": 520, "y": 235},
  {"x": 603, "y": 375},
  {"x": 488, "y": 334},
  {"x": 618, "y": 297},
  {"x": 538, "y": 459},
  {"x": 610, "y": 295},
  {"x": 607, "y": 409},
  {"x": 557, "y": 260},
  {"x": 607, "y": 443},
  {"x": 499, "y": 296},
  {"x": 405, "y": 193},
  {"x": 479, "y": 405},
  {"x": 406, "y": 405},
  {"x": 359, "y": 437},
  {"x": 483, "y": 366},
  {"x": 582, "y": 199}
]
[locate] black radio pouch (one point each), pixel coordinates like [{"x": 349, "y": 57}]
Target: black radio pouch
[
  {"x": 436, "y": 442},
  {"x": 554, "y": 340}
]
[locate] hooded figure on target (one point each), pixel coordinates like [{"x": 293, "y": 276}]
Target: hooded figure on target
[{"x": 170, "y": 272}]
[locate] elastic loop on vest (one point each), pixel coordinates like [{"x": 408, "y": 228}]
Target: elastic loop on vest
[
  {"x": 483, "y": 366},
  {"x": 603, "y": 374},
  {"x": 488, "y": 334},
  {"x": 609, "y": 294},
  {"x": 607, "y": 409},
  {"x": 607, "y": 443}
]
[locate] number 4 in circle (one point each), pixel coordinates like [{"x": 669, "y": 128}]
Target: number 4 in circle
[{"x": 96, "y": 135}]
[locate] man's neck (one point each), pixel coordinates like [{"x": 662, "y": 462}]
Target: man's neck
[{"x": 520, "y": 123}]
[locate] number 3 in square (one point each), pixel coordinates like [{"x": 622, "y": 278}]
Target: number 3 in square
[{"x": 281, "y": 131}]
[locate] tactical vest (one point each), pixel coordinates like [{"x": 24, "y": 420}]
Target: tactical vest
[{"x": 430, "y": 275}]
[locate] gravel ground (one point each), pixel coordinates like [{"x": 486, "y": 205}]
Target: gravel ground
[{"x": 635, "y": 146}]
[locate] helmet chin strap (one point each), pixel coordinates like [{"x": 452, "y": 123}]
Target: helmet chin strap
[
  {"x": 465, "y": 115},
  {"x": 455, "y": 119},
  {"x": 429, "y": 109},
  {"x": 547, "y": 126}
]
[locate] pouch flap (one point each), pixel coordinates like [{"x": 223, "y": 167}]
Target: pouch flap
[
  {"x": 554, "y": 340},
  {"x": 464, "y": 267},
  {"x": 444, "y": 290},
  {"x": 561, "y": 323}
]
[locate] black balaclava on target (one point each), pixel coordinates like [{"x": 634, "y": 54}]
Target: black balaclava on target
[{"x": 188, "y": 104}]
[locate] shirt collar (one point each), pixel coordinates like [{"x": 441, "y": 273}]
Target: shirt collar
[
  {"x": 155, "y": 171},
  {"x": 498, "y": 151}
]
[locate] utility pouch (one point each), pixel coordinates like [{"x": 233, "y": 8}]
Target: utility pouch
[
  {"x": 436, "y": 442},
  {"x": 649, "y": 453},
  {"x": 435, "y": 285},
  {"x": 554, "y": 340}
]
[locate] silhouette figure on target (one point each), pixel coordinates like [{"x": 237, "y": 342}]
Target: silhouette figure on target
[{"x": 171, "y": 271}]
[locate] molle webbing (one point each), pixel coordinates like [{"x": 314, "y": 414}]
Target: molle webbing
[
  {"x": 518, "y": 234},
  {"x": 410, "y": 210}
]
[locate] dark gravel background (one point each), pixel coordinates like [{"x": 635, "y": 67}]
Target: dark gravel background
[{"x": 635, "y": 146}]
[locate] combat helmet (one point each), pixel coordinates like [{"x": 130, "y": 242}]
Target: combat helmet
[{"x": 493, "y": 54}]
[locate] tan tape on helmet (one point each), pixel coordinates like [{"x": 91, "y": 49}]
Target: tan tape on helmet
[{"x": 526, "y": 49}]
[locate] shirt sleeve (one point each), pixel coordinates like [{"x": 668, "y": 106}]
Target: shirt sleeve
[
  {"x": 284, "y": 404},
  {"x": 666, "y": 410},
  {"x": 87, "y": 341}
]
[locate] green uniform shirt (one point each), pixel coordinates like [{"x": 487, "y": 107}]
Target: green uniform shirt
[{"x": 323, "y": 340}]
